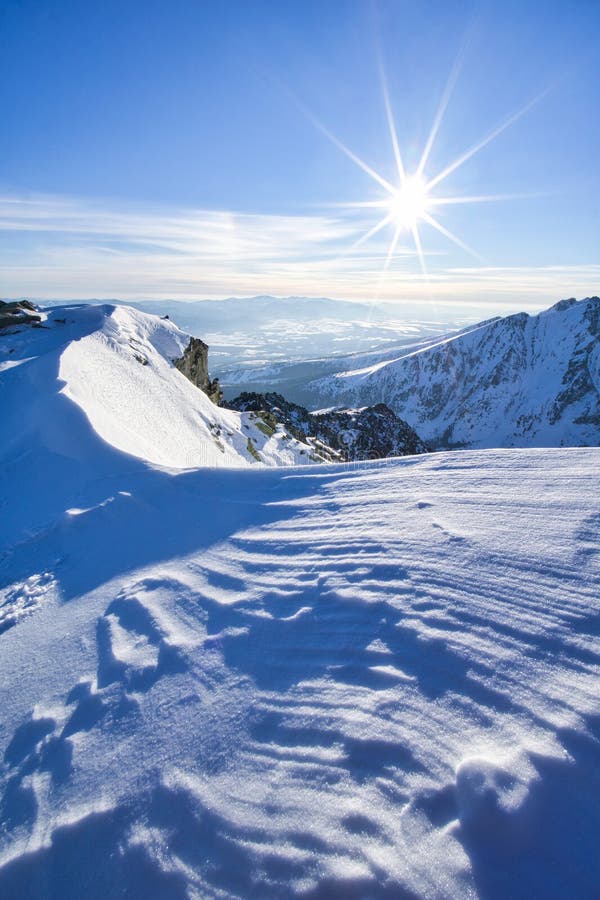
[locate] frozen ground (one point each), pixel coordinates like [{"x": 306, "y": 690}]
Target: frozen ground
[{"x": 377, "y": 680}]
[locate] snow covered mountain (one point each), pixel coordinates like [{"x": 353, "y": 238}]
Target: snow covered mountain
[
  {"x": 518, "y": 381},
  {"x": 262, "y": 330},
  {"x": 372, "y": 680},
  {"x": 108, "y": 371},
  {"x": 294, "y": 378}
]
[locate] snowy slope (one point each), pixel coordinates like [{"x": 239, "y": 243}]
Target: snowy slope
[
  {"x": 116, "y": 365},
  {"x": 520, "y": 381},
  {"x": 374, "y": 680}
]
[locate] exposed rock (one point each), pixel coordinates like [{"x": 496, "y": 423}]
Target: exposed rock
[
  {"x": 374, "y": 432},
  {"x": 214, "y": 392},
  {"x": 18, "y": 312},
  {"x": 194, "y": 365}
]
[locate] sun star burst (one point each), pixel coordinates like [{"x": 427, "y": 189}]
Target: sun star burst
[{"x": 410, "y": 201}]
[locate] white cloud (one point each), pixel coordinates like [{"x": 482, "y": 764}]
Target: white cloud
[{"x": 74, "y": 248}]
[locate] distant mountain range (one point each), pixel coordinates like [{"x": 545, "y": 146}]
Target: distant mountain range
[{"x": 517, "y": 381}]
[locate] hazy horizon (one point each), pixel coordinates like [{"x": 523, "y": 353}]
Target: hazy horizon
[{"x": 408, "y": 308}]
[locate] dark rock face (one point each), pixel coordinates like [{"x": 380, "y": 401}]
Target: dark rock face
[
  {"x": 374, "y": 432},
  {"x": 19, "y": 312},
  {"x": 194, "y": 365}
]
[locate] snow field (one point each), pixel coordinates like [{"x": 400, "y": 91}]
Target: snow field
[{"x": 374, "y": 680}]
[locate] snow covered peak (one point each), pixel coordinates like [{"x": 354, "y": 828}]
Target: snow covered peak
[{"x": 518, "y": 381}]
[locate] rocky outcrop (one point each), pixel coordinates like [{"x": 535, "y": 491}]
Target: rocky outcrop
[
  {"x": 19, "y": 312},
  {"x": 374, "y": 432},
  {"x": 194, "y": 365}
]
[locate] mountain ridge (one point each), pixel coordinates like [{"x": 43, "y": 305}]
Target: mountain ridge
[{"x": 520, "y": 380}]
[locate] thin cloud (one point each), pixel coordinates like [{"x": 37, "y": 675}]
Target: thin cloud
[{"x": 73, "y": 248}]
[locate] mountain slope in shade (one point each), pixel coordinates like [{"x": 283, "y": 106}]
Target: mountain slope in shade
[{"x": 517, "y": 381}]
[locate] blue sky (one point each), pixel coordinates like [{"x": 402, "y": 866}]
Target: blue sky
[{"x": 170, "y": 149}]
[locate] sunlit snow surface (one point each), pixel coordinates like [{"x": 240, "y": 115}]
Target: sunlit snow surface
[
  {"x": 116, "y": 364},
  {"x": 374, "y": 680}
]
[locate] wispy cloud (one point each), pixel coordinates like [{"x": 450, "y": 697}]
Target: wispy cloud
[
  {"x": 201, "y": 234},
  {"x": 73, "y": 248}
]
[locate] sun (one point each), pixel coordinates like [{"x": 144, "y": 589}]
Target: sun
[{"x": 409, "y": 204}]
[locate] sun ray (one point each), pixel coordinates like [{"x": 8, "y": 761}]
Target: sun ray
[
  {"x": 350, "y": 154},
  {"x": 357, "y": 204},
  {"x": 479, "y": 198},
  {"x": 373, "y": 231},
  {"x": 485, "y": 141},
  {"x": 411, "y": 199},
  {"x": 391, "y": 124},
  {"x": 420, "y": 254},
  {"x": 451, "y": 237},
  {"x": 391, "y": 250},
  {"x": 445, "y": 98},
  {"x": 388, "y": 260}
]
